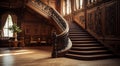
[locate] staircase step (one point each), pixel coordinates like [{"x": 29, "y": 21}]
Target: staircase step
[
  {"x": 79, "y": 34},
  {"x": 76, "y": 30},
  {"x": 91, "y": 52},
  {"x": 79, "y": 39},
  {"x": 88, "y": 48},
  {"x": 83, "y": 42},
  {"x": 86, "y": 45},
  {"x": 89, "y": 57}
]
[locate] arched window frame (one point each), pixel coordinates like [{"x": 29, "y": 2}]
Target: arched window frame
[
  {"x": 8, "y": 23},
  {"x": 66, "y": 7},
  {"x": 5, "y": 18},
  {"x": 77, "y": 4},
  {"x": 81, "y": 4},
  {"x": 75, "y": 8},
  {"x": 63, "y": 8}
]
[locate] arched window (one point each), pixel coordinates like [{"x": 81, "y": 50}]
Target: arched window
[
  {"x": 92, "y": 1},
  {"x": 68, "y": 6},
  {"x": 77, "y": 4},
  {"x": 8, "y": 23},
  {"x": 64, "y": 8},
  {"x": 81, "y": 4}
]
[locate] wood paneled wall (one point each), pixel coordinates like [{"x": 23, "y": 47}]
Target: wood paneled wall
[
  {"x": 102, "y": 21},
  {"x": 79, "y": 18},
  {"x": 35, "y": 26}
]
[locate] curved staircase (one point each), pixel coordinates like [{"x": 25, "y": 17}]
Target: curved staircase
[
  {"x": 85, "y": 47},
  {"x": 61, "y": 41}
]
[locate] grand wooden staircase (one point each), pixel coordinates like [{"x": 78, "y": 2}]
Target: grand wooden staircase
[{"x": 85, "y": 46}]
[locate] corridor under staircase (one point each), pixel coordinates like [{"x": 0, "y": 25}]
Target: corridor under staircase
[{"x": 85, "y": 46}]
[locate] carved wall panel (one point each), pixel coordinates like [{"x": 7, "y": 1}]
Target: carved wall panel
[
  {"x": 98, "y": 21},
  {"x": 110, "y": 21},
  {"x": 37, "y": 29},
  {"x": 118, "y": 17},
  {"x": 103, "y": 23},
  {"x": 102, "y": 20},
  {"x": 90, "y": 23},
  {"x": 80, "y": 18},
  {"x": 94, "y": 21}
]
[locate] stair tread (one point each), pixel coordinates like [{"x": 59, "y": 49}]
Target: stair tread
[
  {"x": 79, "y": 34},
  {"x": 81, "y": 37},
  {"x": 84, "y": 41},
  {"x": 91, "y": 51},
  {"x": 88, "y": 44},
  {"x": 86, "y": 47},
  {"x": 99, "y": 55},
  {"x": 77, "y": 39},
  {"x": 77, "y": 29},
  {"x": 82, "y": 45}
]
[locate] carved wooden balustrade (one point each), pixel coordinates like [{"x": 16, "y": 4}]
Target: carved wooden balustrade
[{"x": 62, "y": 43}]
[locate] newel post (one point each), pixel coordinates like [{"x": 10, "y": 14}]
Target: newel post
[{"x": 54, "y": 51}]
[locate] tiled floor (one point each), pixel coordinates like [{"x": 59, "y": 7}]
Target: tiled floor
[{"x": 41, "y": 56}]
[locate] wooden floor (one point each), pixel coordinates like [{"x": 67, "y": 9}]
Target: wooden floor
[{"x": 41, "y": 56}]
